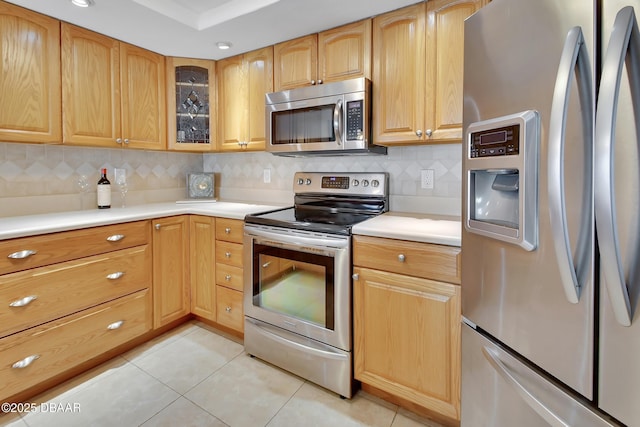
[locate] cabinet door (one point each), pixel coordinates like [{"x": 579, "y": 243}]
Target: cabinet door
[
  {"x": 295, "y": 63},
  {"x": 144, "y": 107},
  {"x": 30, "y": 77},
  {"x": 202, "y": 243},
  {"x": 445, "y": 56},
  {"x": 170, "y": 269},
  {"x": 233, "y": 107},
  {"x": 399, "y": 76},
  {"x": 407, "y": 338},
  {"x": 260, "y": 74},
  {"x": 90, "y": 87},
  {"x": 345, "y": 52},
  {"x": 191, "y": 104}
]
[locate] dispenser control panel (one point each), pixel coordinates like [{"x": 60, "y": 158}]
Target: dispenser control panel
[{"x": 503, "y": 141}]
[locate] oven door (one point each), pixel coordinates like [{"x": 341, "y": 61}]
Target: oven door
[
  {"x": 309, "y": 125},
  {"x": 299, "y": 281}
]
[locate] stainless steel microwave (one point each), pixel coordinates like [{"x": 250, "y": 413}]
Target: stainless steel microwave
[{"x": 326, "y": 119}]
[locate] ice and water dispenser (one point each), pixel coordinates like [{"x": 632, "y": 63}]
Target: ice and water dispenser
[{"x": 501, "y": 168}]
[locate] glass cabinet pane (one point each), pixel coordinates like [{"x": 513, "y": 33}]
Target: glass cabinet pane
[{"x": 192, "y": 105}]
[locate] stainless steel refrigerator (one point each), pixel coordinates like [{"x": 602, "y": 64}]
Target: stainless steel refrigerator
[{"x": 551, "y": 208}]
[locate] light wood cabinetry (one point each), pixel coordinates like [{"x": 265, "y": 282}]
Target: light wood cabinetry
[
  {"x": 171, "y": 287},
  {"x": 202, "y": 242},
  {"x": 69, "y": 297},
  {"x": 191, "y": 104},
  {"x": 243, "y": 81},
  {"x": 407, "y": 323},
  {"x": 30, "y": 77},
  {"x": 336, "y": 54},
  {"x": 229, "y": 280},
  {"x": 113, "y": 93},
  {"x": 418, "y": 72}
]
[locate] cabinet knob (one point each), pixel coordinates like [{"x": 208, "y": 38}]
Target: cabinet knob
[
  {"x": 355, "y": 276},
  {"x": 419, "y": 133},
  {"x": 119, "y": 140},
  {"x": 126, "y": 140},
  {"x": 23, "y": 301},
  {"x": 115, "y": 237},
  {"x": 158, "y": 226},
  {"x": 227, "y": 254},
  {"x": 115, "y": 325},
  {"x": 228, "y": 309},
  {"x": 116, "y": 275},
  {"x": 22, "y": 254},
  {"x": 20, "y": 364},
  {"x": 227, "y": 230},
  {"x": 401, "y": 257},
  {"x": 429, "y": 132},
  {"x": 313, "y": 82},
  {"x": 227, "y": 277},
  {"x": 319, "y": 81}
]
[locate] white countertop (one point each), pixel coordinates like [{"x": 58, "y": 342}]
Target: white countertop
[
  {"x": 437, "y": 229},
  {"x": 30, "y": 225}
]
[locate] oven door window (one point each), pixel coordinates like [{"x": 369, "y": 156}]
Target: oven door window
[
  {"x": 293, "y": 283},
  {"x": 303, "y": 125}
]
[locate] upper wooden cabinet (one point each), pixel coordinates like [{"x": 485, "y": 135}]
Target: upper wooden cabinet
[
  {"x": 418, "y": 72},
  {"x": 30, "y": 77},
  {"x": 191, "y": 104},
  {"x": 337, "y": 54},
  {"x": 243, "y": 81},
  {"x": 113, "y": 93}
]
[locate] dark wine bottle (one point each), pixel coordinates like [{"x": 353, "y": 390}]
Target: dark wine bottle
[{"x": 104, "y": 191}]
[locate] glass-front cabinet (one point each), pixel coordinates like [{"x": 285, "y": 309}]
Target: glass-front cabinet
[{"x": 191, "y": 104}]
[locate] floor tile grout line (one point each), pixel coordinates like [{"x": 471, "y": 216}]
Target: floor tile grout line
[{"x": 285, "y": 403}]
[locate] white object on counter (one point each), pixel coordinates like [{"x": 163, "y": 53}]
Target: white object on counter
[{"x": 436, "y": 229}]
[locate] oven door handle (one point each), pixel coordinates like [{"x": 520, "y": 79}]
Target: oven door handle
[
  {"x": 298, "y": 346},
  {"x": 296, "y": 240}
]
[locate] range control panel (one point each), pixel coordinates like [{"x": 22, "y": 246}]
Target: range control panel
[
  {"x": 354, "y": 183},
  {"x": 504, "y": 141}
]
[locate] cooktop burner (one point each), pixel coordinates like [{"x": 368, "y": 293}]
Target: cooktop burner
[{"x": 330, "y": 202}]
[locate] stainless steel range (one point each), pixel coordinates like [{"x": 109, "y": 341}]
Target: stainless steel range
[{"x": 297, "y": 295}]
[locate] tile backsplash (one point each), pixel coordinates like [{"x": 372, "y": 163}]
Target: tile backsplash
[{"x": 37, "y": 178}]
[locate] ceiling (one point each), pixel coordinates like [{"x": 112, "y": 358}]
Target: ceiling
[{"x": 191, "y": 28}]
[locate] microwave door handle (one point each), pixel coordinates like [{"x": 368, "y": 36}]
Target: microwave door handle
[
  {"x": 337, "y": 121},
  {"x": 573, "y": 62},
  {"x": 624, "y": 40}
]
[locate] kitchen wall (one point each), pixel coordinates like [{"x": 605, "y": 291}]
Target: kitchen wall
[{"x": 38, "y": 178}]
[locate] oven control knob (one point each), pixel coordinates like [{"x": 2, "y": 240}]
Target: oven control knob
[
  {"x": 365, "y": 182},
  {"x": 308, "y": 182},
  {"x": 300, "y": 181},
  {"x": 355, "y": 183},
  {"x": 375, "y": 183}
]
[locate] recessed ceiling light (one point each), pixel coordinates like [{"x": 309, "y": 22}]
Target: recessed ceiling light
[
  {"x": 223, "y": 45},
  {"x": 82, "y": 3}
]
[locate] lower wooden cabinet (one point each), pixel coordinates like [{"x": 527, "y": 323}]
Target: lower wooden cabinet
[
  {"x": 230, "y": 273},
  {"x": 202, "y": 250},
  {"x": 407, "y": 328},
  {"x": 230, "y": 311},
  {"x": 40, "y": 353},
  {"x": 171, "y": 293}
]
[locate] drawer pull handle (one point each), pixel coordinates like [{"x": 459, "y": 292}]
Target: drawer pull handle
[
  {"x": 228, "y": 309},
  {"x": 21, "y": 364},
  {"x": 115, "y": 238},
  {"x": 266, "y": 264},
  {"x": 227, "y": 254},
  {"x": 22, "y": 254},
  {"x": 227, "y": 230},
  {"x": 115, "y": 325},
  {"x": 227, "y": 277},
  {"x": 23, "y": 301},
  {"x": 116, "y": 275},
  {"x": 401, "y": 258}
]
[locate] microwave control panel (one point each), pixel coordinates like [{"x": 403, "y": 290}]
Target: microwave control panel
[
  {"x": 355, "y": 120},
  {"x": 504, "y": 141}
]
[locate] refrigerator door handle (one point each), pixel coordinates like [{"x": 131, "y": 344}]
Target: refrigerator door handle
[
  {"x": 538, "y": 406},
  {"x": 624, "y": 39},
  {"x": 573, "y": 62}
]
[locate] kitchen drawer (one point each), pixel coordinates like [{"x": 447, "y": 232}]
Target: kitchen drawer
[
  {"x": 229, "y": 253},
  {"x": 230, "y": 276},
  {"x": 56, "y": 347},
  {"x": 229, "y": 308},
  {"x": 47, "y": 293},
  {"x": 229, "y": 230},
  {"x": 35, "y": 251},
  {"x": 437, "y": 262}
]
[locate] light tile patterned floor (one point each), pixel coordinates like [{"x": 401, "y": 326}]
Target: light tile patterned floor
[{"x": 193, "y": 376}]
